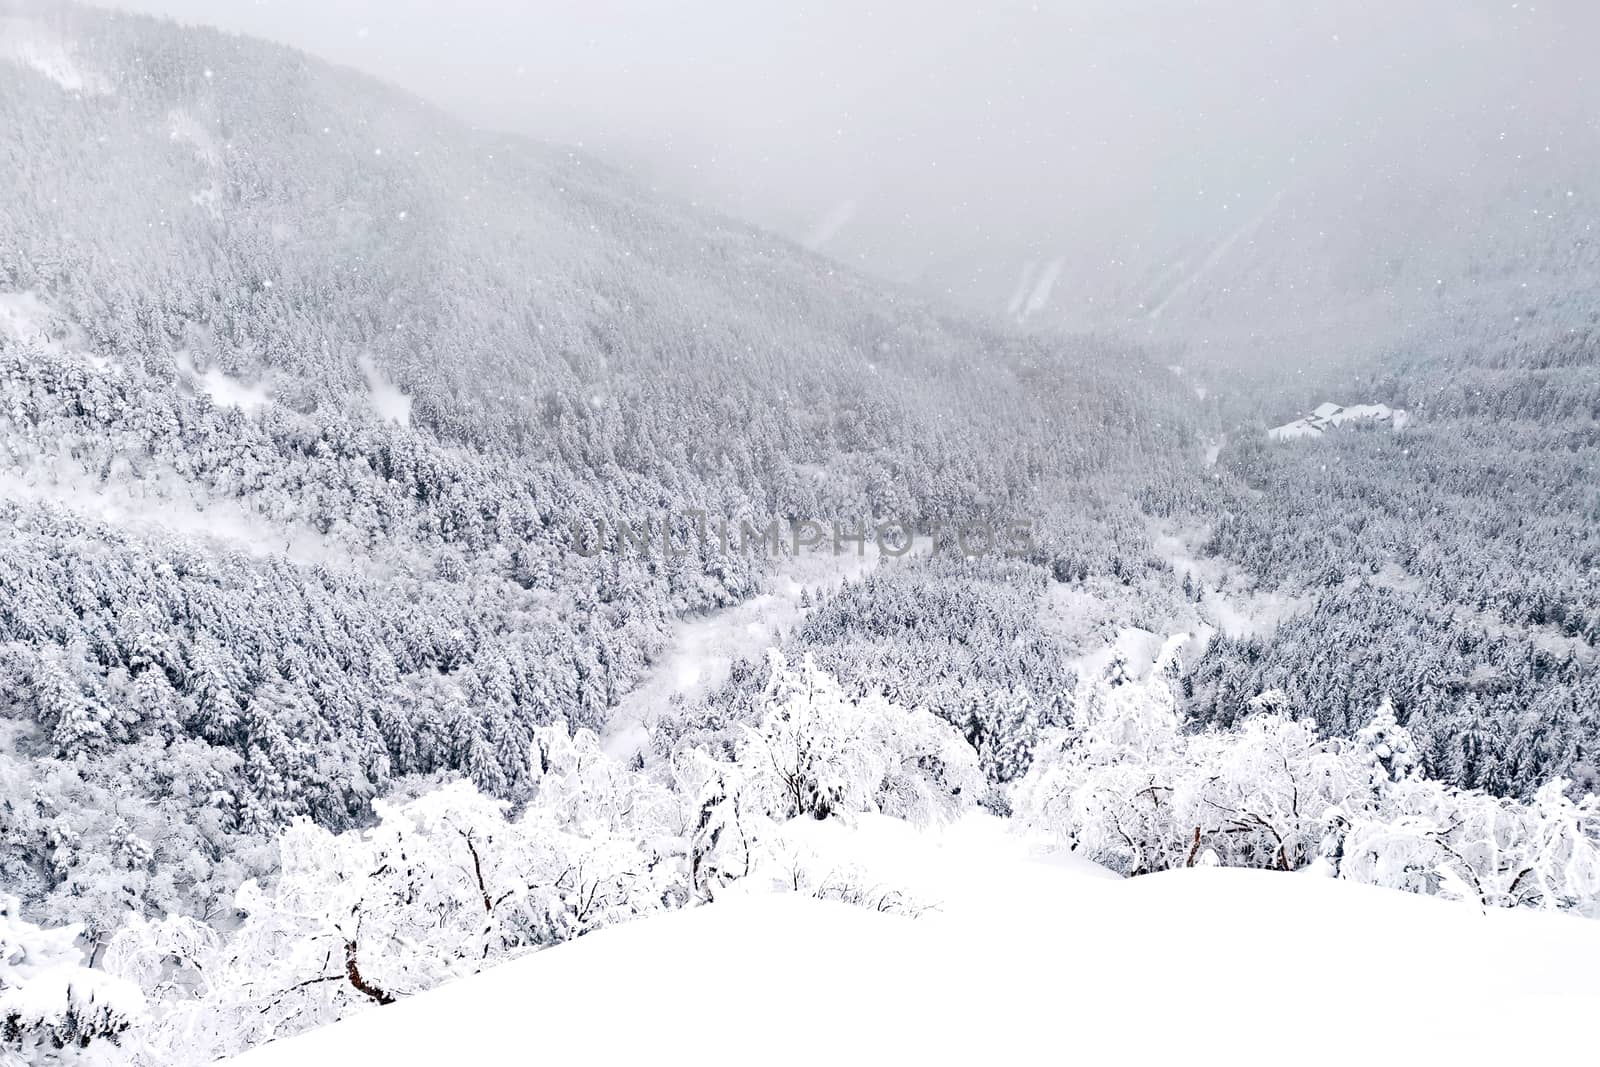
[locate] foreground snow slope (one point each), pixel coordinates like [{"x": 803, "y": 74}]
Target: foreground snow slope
[{"x": 1026, "y": 960}]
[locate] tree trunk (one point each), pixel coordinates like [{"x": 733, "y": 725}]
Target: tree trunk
[{"x": 353, "y": 973}]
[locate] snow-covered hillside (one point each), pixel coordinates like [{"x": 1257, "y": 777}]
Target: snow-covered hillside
[{"x": 1019, "y": 959}]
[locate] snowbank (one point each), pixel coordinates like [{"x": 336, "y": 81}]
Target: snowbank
[{"x": 1021, "y": 959}]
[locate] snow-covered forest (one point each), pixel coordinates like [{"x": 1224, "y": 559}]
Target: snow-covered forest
[{"x": 320, "y": 695}]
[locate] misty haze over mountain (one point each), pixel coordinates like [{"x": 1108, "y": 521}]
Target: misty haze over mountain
[{"x": 1272, "y": 178}]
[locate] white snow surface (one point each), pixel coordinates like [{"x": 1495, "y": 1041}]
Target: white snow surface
[
  {"x": 27, "y": 318},
  {"x": 224, "y": 389},
  {"x": 387, "y": 400},
  {"x": 1023, "y": 959},
  {"x": 162, "y": 503},
  {"x": 1327, "y": 416}
]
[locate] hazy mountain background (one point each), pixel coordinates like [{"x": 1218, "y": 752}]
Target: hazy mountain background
[{"x": 1256, "y": 181}]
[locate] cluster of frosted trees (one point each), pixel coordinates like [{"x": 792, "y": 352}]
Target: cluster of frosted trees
[
  {"x": 1126, "y": 785},
  {"x": 1450, "y": 566},
  {"x": 451, "y": 881}
]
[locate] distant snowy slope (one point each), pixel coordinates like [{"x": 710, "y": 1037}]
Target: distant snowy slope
[
  {"x": 37, "y": 49},
  {"x": 1023, "y": 961}
]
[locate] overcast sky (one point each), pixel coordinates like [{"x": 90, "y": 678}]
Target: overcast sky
[{"x": 948, "y": 144}]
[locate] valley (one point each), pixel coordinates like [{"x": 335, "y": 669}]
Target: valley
[{"x": 323, "y": 736}]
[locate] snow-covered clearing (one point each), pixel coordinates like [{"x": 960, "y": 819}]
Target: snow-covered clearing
[
  {"x": 168, "y": 507},
  {"x": 184, "y": 128},
  {"x": 1230, "y": 601},
  {"x": 1022, "y": 959},
  {"x": 223, "y": 388},
  {"x": 1328, "y": 416},
  {"x": 24, "y": 317},
  {"x": 45, "y": 52},
  {"x": 1096, "y": 619},
  {"x": 386, "y": 398},
  {"x": 1083, "y": 620},
  {"x": 28, "y": 318}
]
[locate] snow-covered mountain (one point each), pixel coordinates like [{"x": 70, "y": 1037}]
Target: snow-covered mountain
[{"x": 1413, "y": 177}]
